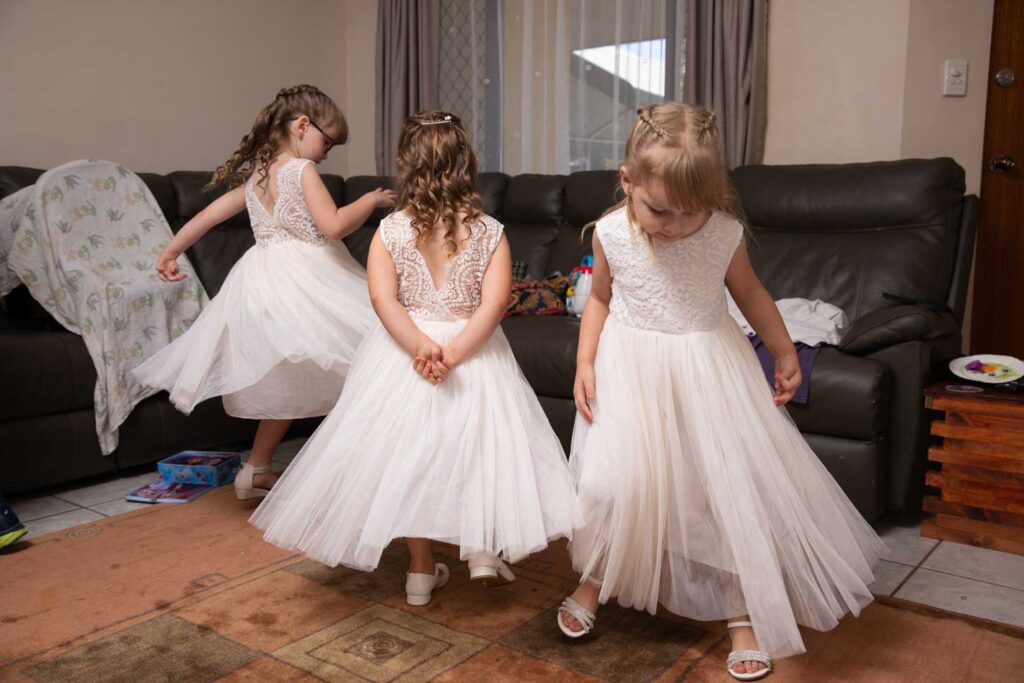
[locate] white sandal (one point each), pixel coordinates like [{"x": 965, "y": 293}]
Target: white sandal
[
  {"x": 737, "y": 656},
  {"x": 420, "y": 587},
  {"x": 580, "y": 614},
  {"x": 486, "y": 567},
  {"x": 244, "y": 489}
]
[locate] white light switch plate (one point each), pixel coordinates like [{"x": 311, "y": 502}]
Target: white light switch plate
[{"x": 955, "y": 82}]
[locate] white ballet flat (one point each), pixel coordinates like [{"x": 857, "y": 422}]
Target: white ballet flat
[
  {"x": 580, "y": 613},
  {"x": 486, "y": 567},
  {"x": 244, "y": 489},
  {"x": 419, "y": 588},
  {"x": 737, "y": 656}
]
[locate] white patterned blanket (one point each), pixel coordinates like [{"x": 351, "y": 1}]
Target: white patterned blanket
[{"x": 84, "y": 240}]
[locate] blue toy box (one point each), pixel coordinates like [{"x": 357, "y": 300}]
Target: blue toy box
[{"x": 208, "y": 468}]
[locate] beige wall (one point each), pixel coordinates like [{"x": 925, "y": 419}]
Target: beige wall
[
  {"x": 156, "y": 85},
  {"x": 861, "y": 81},
  {"x": 163, "y": 86},
  {"x": 934, "y": 125},
  {"x": 360, "y": 105},
  {"x": 835, "y": 80}
]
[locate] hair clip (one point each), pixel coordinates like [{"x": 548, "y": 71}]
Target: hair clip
[{"x": 446, "y": 119}]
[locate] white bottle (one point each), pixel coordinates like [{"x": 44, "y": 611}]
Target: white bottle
[{"x": 582, "y": 290}]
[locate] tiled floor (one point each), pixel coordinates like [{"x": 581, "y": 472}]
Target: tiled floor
[
  {"x": 975, "y": 581},
  {"x": 74, "y": 506}
]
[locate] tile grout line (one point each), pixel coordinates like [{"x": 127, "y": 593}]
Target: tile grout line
[
  {"x": 904, "y": 581},
  {"x": 927, "y": 555},
  {"x": 52, "y": 514},
  {"x": 969, "y": 578}
]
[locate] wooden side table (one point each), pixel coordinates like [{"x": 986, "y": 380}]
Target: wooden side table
[{"x": 980, "y": 469}]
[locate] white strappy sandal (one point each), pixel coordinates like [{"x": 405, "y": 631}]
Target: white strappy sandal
[
  {"x": 737, "y": 656},
  {"x": 244, "y": 489},
  {"x": 578, "y": 612}
]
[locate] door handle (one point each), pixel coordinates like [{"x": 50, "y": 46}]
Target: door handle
[{"x": 1003, "y": 163}]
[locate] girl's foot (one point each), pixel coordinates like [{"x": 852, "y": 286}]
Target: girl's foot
[
  {"x": 586, "y": 597},
  {"x": 420, "y": 586},
  {"x": 486, "y": 568},
  {"x": 265, "y": 480},
  {"x": 746, "y": 662},
  {"x": 254, "y": 482}
]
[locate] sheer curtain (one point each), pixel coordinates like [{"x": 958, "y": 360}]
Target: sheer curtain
[
  {"x": 552, "y": 86},
  {"x": 575, "y": 73}
]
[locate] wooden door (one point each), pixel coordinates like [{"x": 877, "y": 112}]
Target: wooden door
[{"x": 997, "y": 320}]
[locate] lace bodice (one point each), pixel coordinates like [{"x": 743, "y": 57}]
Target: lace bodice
[
  {"x": 459, "y": 294},
  {"x": 291, "y": 219},
  {"x": 674, "y": 287}
]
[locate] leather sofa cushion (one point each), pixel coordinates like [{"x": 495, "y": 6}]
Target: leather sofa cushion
[
  {"x": 534, "y": 198},
  {"x": 589, "y": 194},
  {"x": 847, "y": 233},
  {"x": 532, "y": 243},
  {"x": 44, "y": 373},
  {"x": 14, "y": 178},
  {"x": 545, "y": 348},
  {"x": 849, "y": 397}
]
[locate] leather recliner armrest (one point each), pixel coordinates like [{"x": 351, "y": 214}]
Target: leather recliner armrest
[{"x": 891, "y": 325}]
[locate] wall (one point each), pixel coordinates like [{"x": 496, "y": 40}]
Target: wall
[
  {"x": 861, "y": 81},
  {"x": 360, "y": 104},
  {"x": 155, "y": 85},
  {"x": 835, "y": 80},
  {"x": 934, "y": 125}
]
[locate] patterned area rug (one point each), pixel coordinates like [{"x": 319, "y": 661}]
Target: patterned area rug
[{"x": 191, "y": 593}]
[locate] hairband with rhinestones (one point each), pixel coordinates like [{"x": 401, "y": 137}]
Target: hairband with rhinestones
[{"x": 447, "y": 118}]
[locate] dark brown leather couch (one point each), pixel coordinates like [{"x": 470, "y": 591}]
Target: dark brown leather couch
[{"x": 846, "y": 234}]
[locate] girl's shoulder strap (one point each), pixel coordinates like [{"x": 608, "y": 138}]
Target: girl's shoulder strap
[
  {"x": 393, "y": 229},
  {"x": 491, "y": 233},
  {"x": 731, "y": 232},
  {"x": 290, "y": 175},
  {"x": 610, "y": 223}
]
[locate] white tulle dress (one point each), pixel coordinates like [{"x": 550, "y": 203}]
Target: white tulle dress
[
  {"x": 278, "y": 339},
  {"x": 472, "y": 461},
  {"x": 696, "y": 491}
]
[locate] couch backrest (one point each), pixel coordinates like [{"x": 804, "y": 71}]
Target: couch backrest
[
  {"x": 842, "y": 233},
  {"x": 847, "y": 233}
]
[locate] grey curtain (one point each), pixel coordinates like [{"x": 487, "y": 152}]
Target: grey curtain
[
  {"x": 726, "y": 71},
  {"x": 408, "y": 59}
]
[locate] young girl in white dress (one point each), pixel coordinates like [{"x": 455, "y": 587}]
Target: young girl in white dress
[
  {"x": 437, "y": 436},
  {"x": 277, "y": 340},
  {"x": 696, "y": 489}
]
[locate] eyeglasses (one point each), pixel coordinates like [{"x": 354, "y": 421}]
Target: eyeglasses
[{"x": 327, "y": 138}]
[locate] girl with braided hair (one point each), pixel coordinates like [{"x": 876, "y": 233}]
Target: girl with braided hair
[
  {"x": 277, "y": 340},
  {"x": 696, "y": 489}
]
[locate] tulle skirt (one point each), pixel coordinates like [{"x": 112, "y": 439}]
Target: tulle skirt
[
  {"x": 472, "y": 462},
  {"x": 698, "y": 493},
  {"x": 277, "y": 340}
]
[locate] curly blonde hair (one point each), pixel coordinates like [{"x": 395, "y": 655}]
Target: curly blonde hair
[
  {"x": 260, "y": 145},
  {"x": 436, "y": 175}
]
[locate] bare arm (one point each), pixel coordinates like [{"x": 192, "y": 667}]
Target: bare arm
[
  {"x": 494, "y": 295},
  {"x": 219, "y": 210},
  {"x": 595, "y": 313},
  {"x": 334, "y": 222},
  {"x": 382, "y": 279},
  {"x": 757, "y": 305}
]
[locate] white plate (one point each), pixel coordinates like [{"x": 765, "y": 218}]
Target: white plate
[{"x": 1014, "y": 368}]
